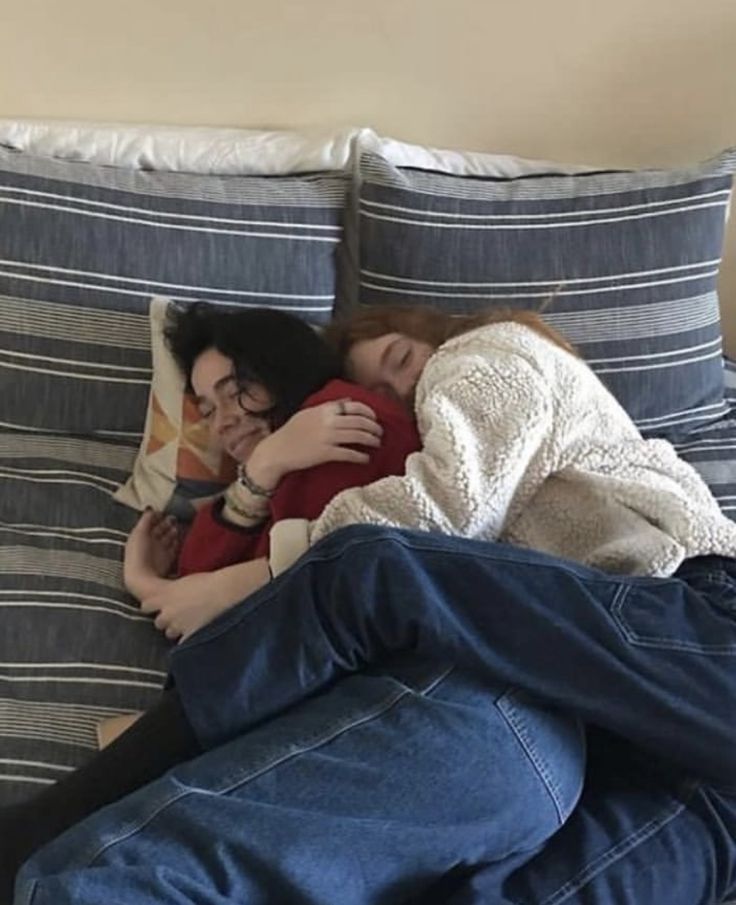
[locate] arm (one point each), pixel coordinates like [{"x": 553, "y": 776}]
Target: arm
[
  {"x": 184, "y": 605},
  {"x": 485, "y": 426}
]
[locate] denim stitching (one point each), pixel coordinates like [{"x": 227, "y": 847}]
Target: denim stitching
[
  {"x": 211, "y": 633},
  {"x": 638, "y": 640},
  {"x": 592, "y": 870},
  {"x": 378, "y": 710},
  {"x": 518, "y": 726}
]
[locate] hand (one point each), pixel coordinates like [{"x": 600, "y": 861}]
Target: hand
[
  {"x": 186, "y": 604},
  {"x": 151, "y": 552},
  {"x": 322, "y": 433}
]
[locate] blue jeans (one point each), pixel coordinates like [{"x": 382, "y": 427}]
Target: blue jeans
[
  {"x": 365, "y": 794},
  {"x": 650, "y": 659}
]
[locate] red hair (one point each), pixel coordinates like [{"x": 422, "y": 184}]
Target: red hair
[{"x": 427, "y": 324}]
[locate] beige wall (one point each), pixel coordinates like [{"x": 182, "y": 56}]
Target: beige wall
[{"x": 628, "y": 82}]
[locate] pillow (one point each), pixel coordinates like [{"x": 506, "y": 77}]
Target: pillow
[
  {"x": 84, "y": 247},
  {"x": 176, "y": 462},
  {"x": 711, "y": 448},
  {"x": 634, "y": 255}
]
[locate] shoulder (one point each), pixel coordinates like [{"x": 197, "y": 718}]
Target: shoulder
[{"x": 384, "y": 407}]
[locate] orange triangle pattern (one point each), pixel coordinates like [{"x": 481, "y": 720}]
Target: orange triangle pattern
[{"x": 162, "y": 430}]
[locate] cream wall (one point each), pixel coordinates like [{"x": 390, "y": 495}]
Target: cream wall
[{"x": 626, "y": 82}]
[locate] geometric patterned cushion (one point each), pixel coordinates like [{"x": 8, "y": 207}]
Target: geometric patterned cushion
[{"x": 177, "y": 461}]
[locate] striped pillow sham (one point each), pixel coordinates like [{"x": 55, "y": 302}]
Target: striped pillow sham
[
  {"x": 84, "y": 247},
  {"x": 634, "y": 257}
]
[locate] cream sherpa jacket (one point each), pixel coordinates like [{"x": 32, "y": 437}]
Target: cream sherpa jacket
[{"x": 523, "y": 443}]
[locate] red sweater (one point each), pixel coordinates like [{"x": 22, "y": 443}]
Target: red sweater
[{"x": 212, "y": 543}]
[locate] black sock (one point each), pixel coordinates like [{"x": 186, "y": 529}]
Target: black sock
[{"x": 159, "y": 740}]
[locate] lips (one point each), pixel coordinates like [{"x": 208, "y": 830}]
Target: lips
[{"x": 235, "y": 449}]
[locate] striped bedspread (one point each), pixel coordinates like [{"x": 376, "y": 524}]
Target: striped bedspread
[{"x": 74, "y": 647}]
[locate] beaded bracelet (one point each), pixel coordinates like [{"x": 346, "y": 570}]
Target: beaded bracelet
[{"x": 251, "y": 485}]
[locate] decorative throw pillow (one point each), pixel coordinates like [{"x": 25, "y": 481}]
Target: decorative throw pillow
[
  {"x": 634, "y": 257},
  {"x": 84, "y": 247},
  {"x": 177, "y": 463}
]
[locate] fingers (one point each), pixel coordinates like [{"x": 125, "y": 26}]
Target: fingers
[
  {"x": 357, "y": 438},
  {"x": 165, "y": 529},
  {"x": 361, "y": 423},
  {"x": 353, "y": 407},
  {"x": 345, "y": 454}
]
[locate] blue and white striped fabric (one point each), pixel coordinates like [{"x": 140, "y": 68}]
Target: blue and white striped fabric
[
  {"x": 83, "y": 248},
  {"x": 634, "y": 257},
  {"x": 711, "y": 448}
]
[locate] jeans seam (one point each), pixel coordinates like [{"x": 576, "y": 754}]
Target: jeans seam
[
  {"x": 377, "y": 711},
  {"x": 594, "y": 868},
  {"x": 207, "y": 635},
  {"x": 656, "y": 642},
  {"x": 517, "y": 727}
]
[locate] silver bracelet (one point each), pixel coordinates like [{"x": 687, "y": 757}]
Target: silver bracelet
[{"x": 251, "y": 485}]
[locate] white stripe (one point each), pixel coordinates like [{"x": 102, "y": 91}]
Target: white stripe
[
  {"x": 176, "y": 298},
  {"x": 704, "y": 442},
  {"x": 34, "y": 473},
  {"x": 551, "y": 283},
  {"x": 711, "y": 344},
  {"x": 105, "y": 611},
  {"x": 291, "y": 237},
  {"x": 60, "y": 710},
  {"x": 699, "y": 449},
  {"x": 364, "y": 202},
  {"x": 67, "y": 564},
  {"x": 36, "y": 763},
  {"x": 100, "y": 378},
  {"x": 83, "y": 680},
  {"x": 64, "y": 528},
  {"x": 45, "y": 532},
  {"x": 102, "y": 667},
  {"x": 83, "y": 739},
  {"x": 659, "y": 365},
  {"x": 68, "y": 449},
  {"x": 542, "y": 295},
  {"x": 164, "y": 286},
  {"x": 77, "y": 362},
  {"x": 11, "y": 777},
  {"x": 669, "y": 421},
  {"x": 535, "y": 226},
  {"x": 159, "y": 213}
]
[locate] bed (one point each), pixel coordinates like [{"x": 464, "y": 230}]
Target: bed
[{"x": 95, "y": 221}]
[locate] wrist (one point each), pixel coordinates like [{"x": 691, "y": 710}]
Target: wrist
[{"x": 262, "y": 470}]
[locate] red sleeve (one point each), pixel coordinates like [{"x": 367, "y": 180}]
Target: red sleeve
[
  {"x": 304, "y": 494},
  {"x": 212, "y": 544}
]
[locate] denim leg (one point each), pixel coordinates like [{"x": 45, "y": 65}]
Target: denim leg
[
  {"x": 359, "y": 796},
  {"x": 653, "y": 660},
  {"x": 640, "y": 835}
]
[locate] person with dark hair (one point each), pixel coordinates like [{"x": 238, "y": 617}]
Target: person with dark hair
[
  {"x": 396, "y": 746},
  {"x": 267, "y": 387}
]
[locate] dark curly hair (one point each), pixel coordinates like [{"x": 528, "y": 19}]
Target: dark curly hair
[{"x": 269, "y": 347}]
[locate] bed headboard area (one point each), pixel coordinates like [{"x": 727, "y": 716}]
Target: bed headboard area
[{"x": 614, "y": 85}]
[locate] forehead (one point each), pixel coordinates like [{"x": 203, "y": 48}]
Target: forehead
[{"x": 210, "y": 369}]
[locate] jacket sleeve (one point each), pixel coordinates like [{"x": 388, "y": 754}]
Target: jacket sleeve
[{"x": 486, "y": 426}]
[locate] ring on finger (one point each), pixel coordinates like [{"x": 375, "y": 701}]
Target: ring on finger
[{"x": 342, "y": 407}]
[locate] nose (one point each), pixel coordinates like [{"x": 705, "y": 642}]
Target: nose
[{"x": 223, "y": 419}]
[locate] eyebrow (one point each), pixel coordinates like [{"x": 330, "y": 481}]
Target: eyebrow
[{"x": 218, "y": 385}]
